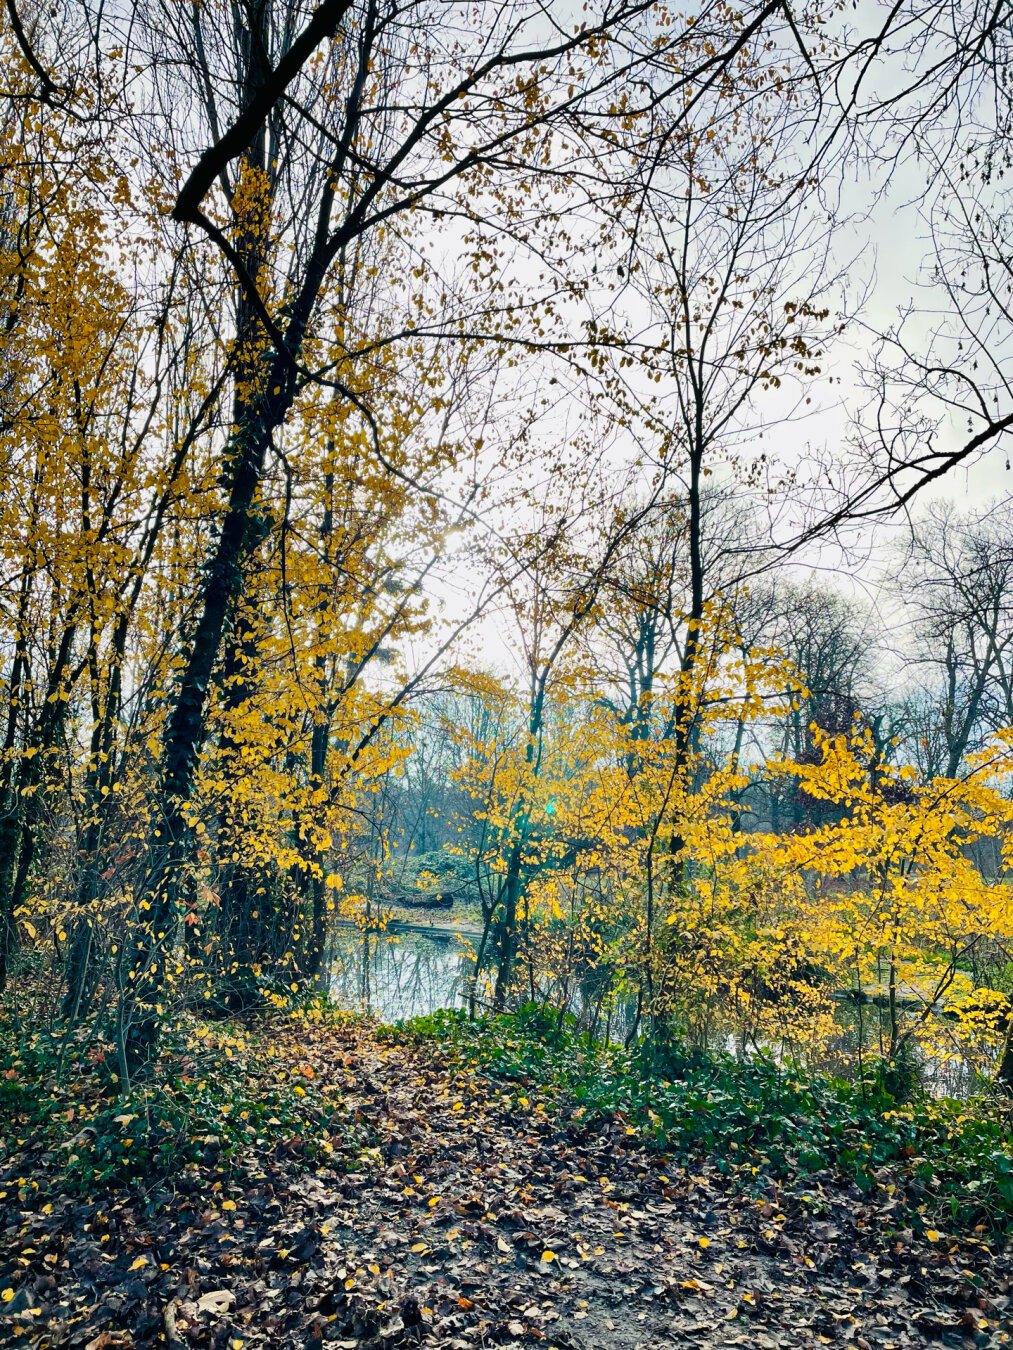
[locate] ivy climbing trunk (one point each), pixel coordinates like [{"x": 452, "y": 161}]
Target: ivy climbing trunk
[{"x": 169, "y": 846}]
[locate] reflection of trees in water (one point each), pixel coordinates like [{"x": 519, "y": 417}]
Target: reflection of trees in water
[
  {"x": 943, "y": 1067},
  {"x": 396, "y": 976},
  {"x": 599, "y": 1008},
  {"x": 860, "y": 1041},
  {"x": 410, "y": 974}
]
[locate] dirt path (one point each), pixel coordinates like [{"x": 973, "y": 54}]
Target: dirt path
[{"x": 479, "y": 1219}]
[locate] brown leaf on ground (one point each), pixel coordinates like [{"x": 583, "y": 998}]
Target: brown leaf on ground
[{"x": 466, "y": 1223}]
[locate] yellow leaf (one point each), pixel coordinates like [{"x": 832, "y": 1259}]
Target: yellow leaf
[
  {"x": 139, "y": 1263},
  {"x": 548, "y": 1255}
]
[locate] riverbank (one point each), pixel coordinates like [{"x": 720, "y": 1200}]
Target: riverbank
[
  {"x": 315, "y": 1181},
  {"x": 435, "y": 922}
]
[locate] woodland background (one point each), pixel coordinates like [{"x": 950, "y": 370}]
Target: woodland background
[{"x": 467, "y": 457}]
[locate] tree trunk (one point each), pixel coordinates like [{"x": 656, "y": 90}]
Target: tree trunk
[
  {"x": 97, "y": 805},
  {"x": 169, "y": 846}
]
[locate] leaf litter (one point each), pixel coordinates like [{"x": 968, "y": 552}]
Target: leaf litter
[{"x": 448, "y": 1211}]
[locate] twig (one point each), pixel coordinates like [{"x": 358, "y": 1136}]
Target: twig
[{"x": 172, "y": 1335}]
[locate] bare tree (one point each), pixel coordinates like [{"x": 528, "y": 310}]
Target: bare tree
[
  {"x": 830, "y": 643},
  {"x": 961, "y": 607}
]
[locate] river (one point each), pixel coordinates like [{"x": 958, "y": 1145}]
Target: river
[
  {"x": 397, "y": 975},
  {"x": 413, "y": 971}
]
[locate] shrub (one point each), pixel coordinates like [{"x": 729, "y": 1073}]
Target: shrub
[{"x": 211, "y": 1106}]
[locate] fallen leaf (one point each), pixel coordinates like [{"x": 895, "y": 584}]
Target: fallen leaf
[{"x": 217, "y": 1301}]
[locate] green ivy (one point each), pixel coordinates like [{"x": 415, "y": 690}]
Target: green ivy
[
  {"x": 220, "y": 1116},
  {"x": 945, "y": 1159}
]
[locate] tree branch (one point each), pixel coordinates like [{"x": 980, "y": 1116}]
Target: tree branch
[{"x": 323, "y": 24}]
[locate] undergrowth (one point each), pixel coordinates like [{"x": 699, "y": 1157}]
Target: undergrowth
[
  {"x": 220, "y": 1097},
  {"x": 946, "y": 1162}
]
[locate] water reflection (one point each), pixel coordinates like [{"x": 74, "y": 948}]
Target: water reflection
[
  {"x": 397, "y": 975},
  {"x": 412, "y": 972},
  {"x": 941, "y": 1069}
]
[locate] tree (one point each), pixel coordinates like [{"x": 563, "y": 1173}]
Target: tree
[
  {"x": 962, "y": 614},
  {"x": 733, "y": 269},
  {"x": 560, "y": 569},
  {"x": 289, "y": 125},
  {"x": 937, "y": 378},
  {"x": 641, "y": 624},
  {"x": 86, "y": 492},
  {"x": 921, "y": 905},
  {"x": 828, "y": 643}
]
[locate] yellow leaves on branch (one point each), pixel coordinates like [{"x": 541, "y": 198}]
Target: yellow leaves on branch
[{"x": 901, "y": 899}]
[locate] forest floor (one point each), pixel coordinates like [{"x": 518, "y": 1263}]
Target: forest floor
[{"x": 448, "y": 1210}]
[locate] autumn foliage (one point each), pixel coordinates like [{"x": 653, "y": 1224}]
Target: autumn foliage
[{"x": 386, "y": 495}]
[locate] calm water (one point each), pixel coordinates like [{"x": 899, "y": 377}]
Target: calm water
[
  {"x": 397, "y": 975},
  {"x": 416, "y": 971}
]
